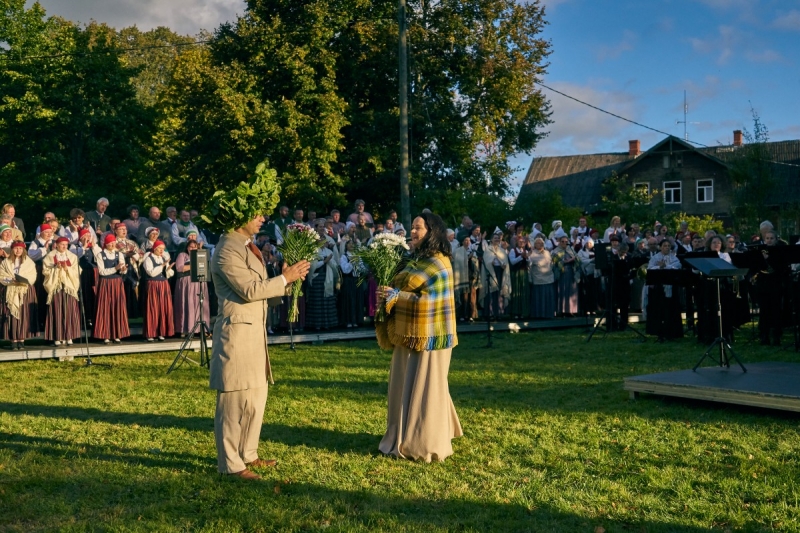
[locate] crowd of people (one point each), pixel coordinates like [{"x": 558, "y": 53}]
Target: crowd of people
[{"x": 97, "y": 272}]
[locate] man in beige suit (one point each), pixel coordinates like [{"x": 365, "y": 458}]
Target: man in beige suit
[{"x": 239, "y": 361}]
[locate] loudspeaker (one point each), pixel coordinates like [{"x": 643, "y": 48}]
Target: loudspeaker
[{"x": 199, "y": 265}]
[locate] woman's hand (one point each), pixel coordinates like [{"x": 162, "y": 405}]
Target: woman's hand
[{"x": 382, "y": 293}]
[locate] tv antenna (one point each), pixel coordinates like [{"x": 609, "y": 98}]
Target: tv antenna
[{"x": 684, "y": 121}]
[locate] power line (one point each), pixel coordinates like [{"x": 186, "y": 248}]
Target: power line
[{"x": 639, "y": 123}]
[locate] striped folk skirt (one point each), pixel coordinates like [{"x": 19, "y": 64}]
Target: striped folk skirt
[
  {"x": 520, "y": 294},
  {"x": 111, "y": 317},
  {"x": 158, "y": 320},
  {"x": 567, "y": 292},
  {"x": 63, "y": 320},
  {"x": 352, "y": 298},
  {"x": 27, "y": 326},
  {"x": 187, "y": 304},
  {"x": 320, "y": 309}
]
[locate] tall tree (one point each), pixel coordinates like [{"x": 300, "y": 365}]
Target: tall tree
[
  {"x": 70, "y": 126},
  {"x": 752, "y": 176}
]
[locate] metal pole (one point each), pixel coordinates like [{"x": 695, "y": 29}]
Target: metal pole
[{"x": 405, "y": 206}]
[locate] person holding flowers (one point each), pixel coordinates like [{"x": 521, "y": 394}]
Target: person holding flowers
[
  {"x": 240, "y": 367},
  {"x": 421, "y": 329}
]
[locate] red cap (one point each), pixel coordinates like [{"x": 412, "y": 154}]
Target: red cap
[
  {"x": 18, "y": 244},
  {"x": 62, "y": 239},
  {"x": 44, "y": 227},
  {"x": 159, "y": 243},
  {"x": 118, "y": 225},
  {"x": 83, "y": 232},
  {"x": 109, "y": 238}
]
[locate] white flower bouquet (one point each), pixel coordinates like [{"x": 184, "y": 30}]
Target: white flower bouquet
[
  {"x": 299, "y": 242},
  {"x": 382, "y": 256}
]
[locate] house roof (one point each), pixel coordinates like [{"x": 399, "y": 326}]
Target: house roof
[{"x": 579, "y": 178}]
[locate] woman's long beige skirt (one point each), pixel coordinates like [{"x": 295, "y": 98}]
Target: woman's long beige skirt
[{"x": 422, "y": 419}]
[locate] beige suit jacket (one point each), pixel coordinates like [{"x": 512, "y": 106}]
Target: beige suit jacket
[{"x": 240, "y": 359}]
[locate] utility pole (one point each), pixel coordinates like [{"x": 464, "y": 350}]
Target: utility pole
[{"x": 405, "y": 206}]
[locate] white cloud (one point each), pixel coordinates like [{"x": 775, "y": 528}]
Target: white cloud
[
  {"x": 723, "y": 45},
  {"x": 627, "y": 43},
  {"x": 788, "y": 21},
  {"x": 767, "y": 56},
  {"x": 181, "y": 16}
]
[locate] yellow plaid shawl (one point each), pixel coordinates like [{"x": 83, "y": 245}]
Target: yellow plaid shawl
[{"x": 421, "y": 310}]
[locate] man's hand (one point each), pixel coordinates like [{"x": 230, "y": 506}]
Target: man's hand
[{"x": 296, "y": 271}]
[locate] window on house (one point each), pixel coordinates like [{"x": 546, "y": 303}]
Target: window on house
[
  {"x": 705, "y": 191},
  {"x": 672, "y": 192},
  {"x": 666, "y": 161},
  {"x": 643, "y": 188}
]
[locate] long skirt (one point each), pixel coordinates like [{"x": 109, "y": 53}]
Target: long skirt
[
  {"x": 286, "y": 302},
  {"x": 567, "y": 292},
  {"x": 187, "y": 304},
  {"x": 320, "y": 309},
  {"x": 663, "y": 314},
  {"x": 543, "y": 301},
  {"x": 63, "y": 320},
  {"x": 421, "y": 419},
  {"x": 158, "y": 320},
  {"x": 111, "y": 318},
  {"x": 352, "y": 295},
  {"x": 27, "y": 325},
  {"x": 372, "y": 300},
  {"x": 520, "y": 294},
  {"x": 129, "y": 284}
]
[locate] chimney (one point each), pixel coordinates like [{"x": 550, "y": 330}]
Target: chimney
[
  {"x": 737, "y": 137},
  {"x": 634, "y": 148}
]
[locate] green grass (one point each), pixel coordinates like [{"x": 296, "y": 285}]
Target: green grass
[{"x": 552, "y": 443}]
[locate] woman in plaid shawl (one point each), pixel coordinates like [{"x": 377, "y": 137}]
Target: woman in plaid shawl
[{"x": 421, "y": 328}]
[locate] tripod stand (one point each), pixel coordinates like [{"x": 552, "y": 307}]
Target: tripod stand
[
  {"x": 720, "y": 341},
  {"x": 200, "y": 328}
]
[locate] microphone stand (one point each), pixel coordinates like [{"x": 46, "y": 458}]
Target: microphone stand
[
  {"x": 487, "y": 296},
  {"x": 85, "y": 328}
]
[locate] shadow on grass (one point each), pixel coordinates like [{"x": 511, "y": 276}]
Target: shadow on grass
[
  {"x": 211, "y": 503},
  {"x": 311, "y": 436},
  {"x": 57, "y": 449}
]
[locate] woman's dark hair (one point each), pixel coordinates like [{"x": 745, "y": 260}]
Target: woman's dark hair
[
  {"x": 721, "y": 241},
  {"x": 435, "y": 241},
  {"x": 132, "y": 207},
  {"x": 75, "y": 212}
]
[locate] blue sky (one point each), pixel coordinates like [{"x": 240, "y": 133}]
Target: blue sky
[{"x": 633, "y": 58}]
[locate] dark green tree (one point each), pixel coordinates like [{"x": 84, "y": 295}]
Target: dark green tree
[
  {"x": 631, "y": 204},
  {"x": 71, "y": 128}
]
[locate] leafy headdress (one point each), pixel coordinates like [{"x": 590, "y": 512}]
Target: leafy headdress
[{"x": 233, "y": 209}]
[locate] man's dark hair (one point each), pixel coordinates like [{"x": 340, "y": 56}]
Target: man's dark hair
[
  {"x": 435, "y": 241},
  {"x": 76, "y": 212},
  {"x": 131, "y": 208}
]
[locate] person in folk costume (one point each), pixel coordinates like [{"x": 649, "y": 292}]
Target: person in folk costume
[
  {"x": 158, "y": 318},
  {"x": 321, "y": 283},
  {"x": 584, "y": 231},
  {"x": 186, "y": 302},
  {"x": 18, "y": 303},
  {"x": 465, "y": 293},
  {"x": 352, "y": 293},
  {"x": 85, "y": 250},
  {"x": 567, "y": 273},
  {"x": 663, "y": 303},
  {"x": 76, "y": 223},
  {"x": 496, "y": 276},
  {"x": 111, "y": 317},
  {"x": 552, "y": 239},
  {"x": 62, "y": 283},
  {"x": 520, "y": 285},
  {"x": 6, "y": 240},
  {"x": 543, "y": 293},
  {"x": 37, "y": 250},
  {"x": 130, "y": 279},
  {"x": 421, "y": 419},
  {"x": 590, "y": 278},
  {"x": 516, "y": 229}
]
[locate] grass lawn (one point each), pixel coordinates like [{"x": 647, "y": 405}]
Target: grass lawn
[{"x": 552, "y": 443}]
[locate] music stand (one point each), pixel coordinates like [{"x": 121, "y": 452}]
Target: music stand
[
  {"x": 715, "y": 269},
  {"x": 604, "y": 260}
]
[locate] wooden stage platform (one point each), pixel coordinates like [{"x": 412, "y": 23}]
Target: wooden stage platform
[
  {"x": 769, "y": 384},
  {"x": 37, "y": 350}
]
